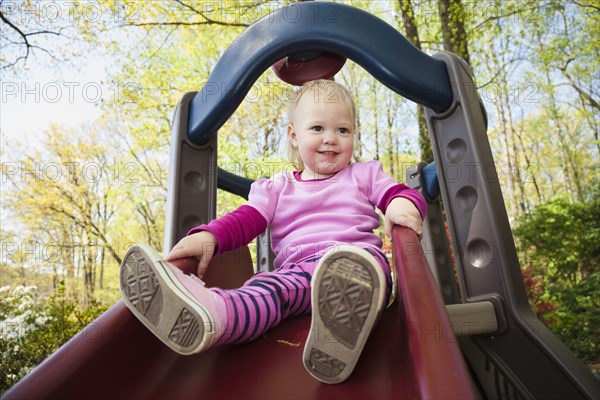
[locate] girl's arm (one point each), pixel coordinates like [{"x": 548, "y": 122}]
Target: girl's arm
[
  {"x": 231, "y": 231},
  {"x": 402, "y": 211},
  {"x": 200, "y": 245}
]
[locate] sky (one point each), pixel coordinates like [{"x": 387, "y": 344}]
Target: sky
[
  {"x": 70, "y": 96},
  {"x": 41, "y": 90}
]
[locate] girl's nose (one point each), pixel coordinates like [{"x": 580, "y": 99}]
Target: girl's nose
[{"x": 329, "y": 138}]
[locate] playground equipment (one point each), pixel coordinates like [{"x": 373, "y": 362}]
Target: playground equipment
[{"x": 431, "y": 343}]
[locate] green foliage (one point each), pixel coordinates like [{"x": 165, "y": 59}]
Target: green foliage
[
  {"x": 577, "y": 319},
  {"x": 560, "y": 244},
  {"x": 31, "y": 328},
  {"x": 563, "y": 239}
]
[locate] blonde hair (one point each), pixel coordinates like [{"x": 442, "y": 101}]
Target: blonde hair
[{"x": 325, "y": 91}]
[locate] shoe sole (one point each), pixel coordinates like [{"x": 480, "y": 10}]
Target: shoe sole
[
  {"x": 157, "y": 298},
  {"x": 347, "y": 299}
]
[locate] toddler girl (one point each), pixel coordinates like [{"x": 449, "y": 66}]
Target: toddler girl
[{"x": 322, "y": 218}]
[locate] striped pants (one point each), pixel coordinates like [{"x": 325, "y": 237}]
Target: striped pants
[{"x": 270, "y": 297}]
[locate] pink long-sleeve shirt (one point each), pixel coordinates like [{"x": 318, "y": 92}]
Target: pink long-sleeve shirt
[{"x": 309, "y": 217}]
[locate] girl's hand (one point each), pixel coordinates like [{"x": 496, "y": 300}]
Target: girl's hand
[
  {"x": 200, "y": 245},
  {"x": 402, "y": 211}
]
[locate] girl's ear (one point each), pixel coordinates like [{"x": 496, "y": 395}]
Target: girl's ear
[{"x": 292, "y": 135}]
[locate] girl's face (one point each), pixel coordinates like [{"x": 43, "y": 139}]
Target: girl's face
[{"x": 323, "y": 132}]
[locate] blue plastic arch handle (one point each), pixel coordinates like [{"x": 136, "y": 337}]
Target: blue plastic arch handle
[
  {"x": 316, "y": 26},
  {"x": 431, "y": 184}
]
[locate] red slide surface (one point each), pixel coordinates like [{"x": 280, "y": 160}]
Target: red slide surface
[{"x": 412, "y": 352}]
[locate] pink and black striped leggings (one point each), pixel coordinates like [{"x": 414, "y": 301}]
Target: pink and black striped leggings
[{"x": 270, "y": 297}]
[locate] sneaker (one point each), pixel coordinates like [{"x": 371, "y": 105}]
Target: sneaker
[
  {"x": 176, "y": 307},
  {"x": 348, "y": 290}
]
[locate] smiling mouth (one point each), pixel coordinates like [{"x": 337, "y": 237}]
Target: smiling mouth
[{"x": 328, "y": 153}]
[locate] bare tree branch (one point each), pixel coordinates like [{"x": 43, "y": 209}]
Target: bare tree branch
[
  {"x": 179, "y": 23},
  {"x": 25, "y": 41},
  {"x": 206, "y": 19},
  {"x": 587, "y": 96},
  {"x": 500, "y": 70},
  {"x": 591, "y": 5},
  {"x": 502, "y": 16}
]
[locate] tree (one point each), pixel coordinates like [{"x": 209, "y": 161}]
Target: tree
[
  {"x": 68, "y": 199},
  {"x": 412, "y": 34},
  {"x": 452, "y": 18}
]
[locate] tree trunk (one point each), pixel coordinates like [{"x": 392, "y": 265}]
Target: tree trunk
[
  {"x": 101, "y": 250},
  {"x": 353, "y": 85},
  {"x": 518, "y": 179},
  {"x": 453, "y": 28},
  {"x": 508, "y": 159},
  {"x": 529, "y": 164},
  {"x": 424, "y": 139},
  {"x": 571, "y": 169},
  {"x": 412, "y": 34},
  {"x": 376, "y": 120},
  {"x": 390, "y": 113},
  {"x": 267, "y": 149}
]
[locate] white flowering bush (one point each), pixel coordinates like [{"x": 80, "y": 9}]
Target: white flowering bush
[
  {"x": 31, "y": 328},
  {"x": 20, "y": 312}
]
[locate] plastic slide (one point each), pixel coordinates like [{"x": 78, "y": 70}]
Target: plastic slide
[{"x": 412, "y": 352}]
